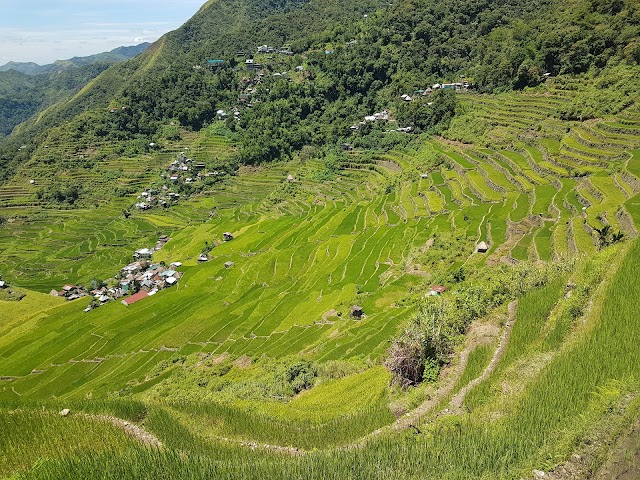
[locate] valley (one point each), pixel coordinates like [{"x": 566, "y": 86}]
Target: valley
[{"x": 234, "y": 268}]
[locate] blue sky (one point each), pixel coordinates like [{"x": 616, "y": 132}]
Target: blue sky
[{"x": 44, "y": 31}]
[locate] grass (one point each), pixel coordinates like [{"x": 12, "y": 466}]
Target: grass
[
  {"x": 536, "y": 427},
  {"x": 32, "y": 435}
]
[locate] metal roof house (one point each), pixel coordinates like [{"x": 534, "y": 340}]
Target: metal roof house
[
  {"x": 135, "y": 298},
  {"x": 215, "y": 64},
  {"x": 437, "y": 290}
]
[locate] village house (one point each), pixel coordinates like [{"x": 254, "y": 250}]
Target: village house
[
  {"x": 135, "y": 298},
  {"x": 143, "y": 253},
  {"x": 215, "y": 64},
  {"x": 227, "y": 236},
  {"x": 357, "y": 311},
  {"x": 133, "y": 268},
  {"x": 228, "y": 264},
  {"x": 452, "y": 86},
  {"x": 437, "y": 290}
]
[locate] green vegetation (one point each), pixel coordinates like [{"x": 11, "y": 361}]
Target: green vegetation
[{"x": 324, "y": 337}]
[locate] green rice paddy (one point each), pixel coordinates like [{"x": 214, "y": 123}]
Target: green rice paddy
[{"x": 194, "y": 356}]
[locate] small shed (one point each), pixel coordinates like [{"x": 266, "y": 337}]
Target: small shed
[
  {"x": 482, "y": 247},
  {"x": 228, "y": 264},
  {"x": 437, "y": 290},
  {"x": 357, "y": 311},
  {"x": 227, "y": 236},
  {"x": 3, "y": 284},
  {"x": 203, "y": 257}
]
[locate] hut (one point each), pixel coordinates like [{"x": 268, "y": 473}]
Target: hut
[
  {"x": 228, "y": 264},
  {"x": 203, "y": 257},
  {"x": 482, "y": 247},
  {"x": 437, "y": 290},
  {"x": 227, "y": 236},
  {"x": 357, "y": 311}
]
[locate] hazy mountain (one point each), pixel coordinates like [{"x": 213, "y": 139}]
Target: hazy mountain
[{"x": 115, "y": 55}]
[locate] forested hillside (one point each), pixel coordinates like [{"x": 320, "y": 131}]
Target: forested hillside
[
  {"x": 26, "y": 88},
  {"x": 396, "y": 49},
  {"x": 22, "y": 95}
]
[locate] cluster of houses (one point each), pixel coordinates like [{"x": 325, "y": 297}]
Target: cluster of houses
[
  {"x": 151, "y": 198},
  {"x": 457, "y": 87},
  {"x": 376, "y": 117},
  {"x": 187, "y": 170},
  {"x": 382, "y": 116},
  {"x": 269, "y": 49},
  {"x": 70, "y": 292},
  {"x": 144, "y": 279},
  {"x": 141, "y": 279}
]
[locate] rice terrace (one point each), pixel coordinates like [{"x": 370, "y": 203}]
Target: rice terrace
[{"x": 370, "y": 251}]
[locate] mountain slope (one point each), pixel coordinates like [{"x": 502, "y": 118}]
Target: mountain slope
[
  {"x": 28, "y": 88},
  {"x": 398, "y": 49}
]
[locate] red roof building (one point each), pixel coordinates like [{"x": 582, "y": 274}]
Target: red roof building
[
  {"x": 135, "y": 298},
  {"x": 438, "y": 289}
]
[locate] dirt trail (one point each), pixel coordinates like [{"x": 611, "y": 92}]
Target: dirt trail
[
  {"x": 458, "y": 400},
  {"x": 479, "y": 334},
  {"x": 132, "y": 429}
]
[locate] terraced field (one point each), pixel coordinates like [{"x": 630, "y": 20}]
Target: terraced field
[{"x": 374, "y": 233}]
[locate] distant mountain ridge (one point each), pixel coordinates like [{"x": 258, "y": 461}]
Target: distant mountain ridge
[{"x": 116, "y": 55}]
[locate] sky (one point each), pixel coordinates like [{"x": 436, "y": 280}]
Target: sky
[{"x": 43, "y": 31}]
